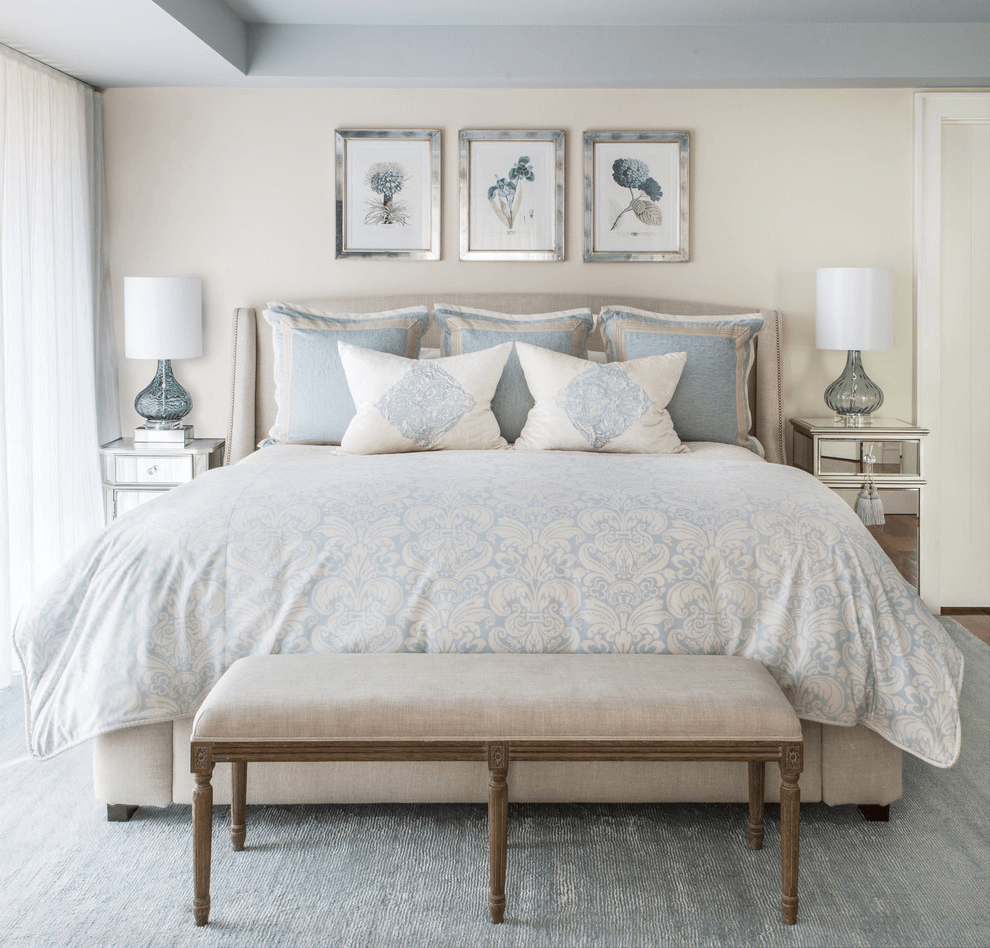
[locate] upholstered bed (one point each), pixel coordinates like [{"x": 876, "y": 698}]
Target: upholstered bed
[{"x": 710, "y": 546}]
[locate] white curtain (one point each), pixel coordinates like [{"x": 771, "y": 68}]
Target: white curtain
[{"x": 58, "y": 388}]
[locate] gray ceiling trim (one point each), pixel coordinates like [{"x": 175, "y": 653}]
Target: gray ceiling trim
[
  {"x": 215, "y": 24},
  {"x": 768, "y": 55},
  {"x": 605, "y": 12}
]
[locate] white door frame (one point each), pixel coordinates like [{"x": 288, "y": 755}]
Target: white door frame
[{"x": 932, "y": 111}]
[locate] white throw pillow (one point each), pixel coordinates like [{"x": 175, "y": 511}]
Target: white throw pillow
[
  {"x": 580, "y": 406},
  {"x": 422, "y": 405}
]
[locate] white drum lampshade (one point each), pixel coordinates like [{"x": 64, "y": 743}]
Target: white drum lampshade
[
  {"x": 163, "y": 317},
  {"x": 855, "y": 312},
  {"x": 163, "y": 320}
]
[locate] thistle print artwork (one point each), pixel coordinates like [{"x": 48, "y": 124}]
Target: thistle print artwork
[
  {"x": 512, "y": 195},
  {"x": 386, "y": 179},
  {"x": 636, "y": 196},
  {"x": 388, "y": 193}
]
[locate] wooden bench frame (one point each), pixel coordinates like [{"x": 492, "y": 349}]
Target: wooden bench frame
[{"x": 205, "y": 753}]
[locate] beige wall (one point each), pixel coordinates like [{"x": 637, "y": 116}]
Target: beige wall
[{"x": 237, "y": 187}]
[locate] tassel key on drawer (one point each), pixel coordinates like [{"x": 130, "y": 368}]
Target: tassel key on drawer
[{"x": 869, "y": 506}]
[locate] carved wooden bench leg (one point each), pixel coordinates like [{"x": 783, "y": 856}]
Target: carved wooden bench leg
[
  {"x": 791, "y": 765},
  {"x": 756, "y": 804},
  {"x": 498, "y": 825},
  {"x": 202, "y": 821},
  {"x": 238, "y": 803}
]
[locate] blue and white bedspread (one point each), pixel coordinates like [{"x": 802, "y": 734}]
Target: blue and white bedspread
[{"x": 296, "y": 550}]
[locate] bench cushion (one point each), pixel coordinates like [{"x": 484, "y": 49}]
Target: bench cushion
[{"x": 403, "y": 696}]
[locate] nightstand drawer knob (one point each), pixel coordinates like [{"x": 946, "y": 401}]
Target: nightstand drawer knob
[{"x": 153, "y": 469}]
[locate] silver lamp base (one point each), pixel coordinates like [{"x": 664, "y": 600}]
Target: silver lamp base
[
  {"x": 854, "y": 396},
  {"x": 164, "y": 403}
]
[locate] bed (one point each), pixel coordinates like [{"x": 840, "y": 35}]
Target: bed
[{"x": 466, "y": 549}]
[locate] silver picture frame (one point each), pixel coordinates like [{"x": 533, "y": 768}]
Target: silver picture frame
[
  {"x": 636, "y": 196},
  {"x": 388, "y": 193},
  {"x": 512, "y": 194}
]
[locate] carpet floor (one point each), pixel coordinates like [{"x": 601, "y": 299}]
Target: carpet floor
[{"x": 669, "y": 874}]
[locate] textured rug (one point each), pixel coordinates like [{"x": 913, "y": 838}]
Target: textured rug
[{"x": 578, "y": 874}]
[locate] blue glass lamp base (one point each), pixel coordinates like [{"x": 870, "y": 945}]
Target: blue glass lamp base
[
  {"x": 164, "y": 403},
  {"x": 854, "y": 396}
]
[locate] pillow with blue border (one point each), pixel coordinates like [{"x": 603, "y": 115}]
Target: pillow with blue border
[
  {"x": 711, "y": 402},
  {"x": 313, "y": 400}
]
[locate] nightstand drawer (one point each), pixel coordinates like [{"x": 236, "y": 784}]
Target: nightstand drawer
[
  {"x": 120, "y": 502},
  {"x": 153, "y": 469},
  {"x": 845, "y": 457},
  {"x": 839, "y": 455}
]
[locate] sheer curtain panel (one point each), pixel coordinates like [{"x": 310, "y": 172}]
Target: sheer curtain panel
[{"x": 58, "y": 398}]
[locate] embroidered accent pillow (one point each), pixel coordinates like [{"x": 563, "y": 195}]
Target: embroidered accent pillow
[
  {"x": 587, "y": 406},
  {"x": 712, "y": 399},
  {"x": 314, "y": 403},
  {"x": 422, "y": 405},
  {"x": 469, "y": 329}
]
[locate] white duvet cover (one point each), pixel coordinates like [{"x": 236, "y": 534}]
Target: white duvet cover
[{"x": 297, "y": 550}]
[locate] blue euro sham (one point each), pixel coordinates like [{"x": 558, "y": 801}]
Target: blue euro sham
[
  {"x": 314, "y": 402},
  {"x": 712, "y": 399}
]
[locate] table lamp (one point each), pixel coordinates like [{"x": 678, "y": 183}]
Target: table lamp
[
  {"x": 163, "y": 320},
  {"x": 855, "y": 312}
]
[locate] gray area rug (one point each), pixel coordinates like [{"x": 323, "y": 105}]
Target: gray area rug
[{"x": 416, "y": 875}]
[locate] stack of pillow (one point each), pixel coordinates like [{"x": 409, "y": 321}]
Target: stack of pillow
[{"x": 363, "y": 382}]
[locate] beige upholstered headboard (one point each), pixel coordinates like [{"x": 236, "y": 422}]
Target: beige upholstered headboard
[{"x": 252, "y": 405}]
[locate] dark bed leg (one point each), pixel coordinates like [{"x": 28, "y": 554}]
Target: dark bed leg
[
  {"x": 875, "y": 812},
  {"x": 120, "y": 812}
]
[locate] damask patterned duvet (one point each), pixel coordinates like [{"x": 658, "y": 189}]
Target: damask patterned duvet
[{"x": 295, "y": 550}]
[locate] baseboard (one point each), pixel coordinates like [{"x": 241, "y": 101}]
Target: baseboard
[{"x": 965, "y": 611}]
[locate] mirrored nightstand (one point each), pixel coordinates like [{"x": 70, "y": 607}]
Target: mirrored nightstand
[
  {"x": 136, "y": 473},
  {"x": 837, "y": 455}
]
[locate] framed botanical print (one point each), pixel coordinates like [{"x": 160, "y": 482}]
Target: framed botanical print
[
  {"x": 512, "y": 195},
  {"x": 388, "y": 193},
  {"x": 636, "y": 191}
]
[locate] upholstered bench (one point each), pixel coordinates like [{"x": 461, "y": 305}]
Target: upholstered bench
[{"x": 499, "y": 708}]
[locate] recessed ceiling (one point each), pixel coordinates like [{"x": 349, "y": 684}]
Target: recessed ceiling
[{"x": 507, "y": 43}]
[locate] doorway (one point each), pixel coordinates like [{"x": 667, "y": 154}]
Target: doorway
[{"x": 952, "y": 221}]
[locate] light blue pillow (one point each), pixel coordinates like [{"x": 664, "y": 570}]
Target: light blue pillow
[
  {"x": 467, "y": 329},
  {"x": 711, "y": 402},
  {"x": 314, "y": 402}
]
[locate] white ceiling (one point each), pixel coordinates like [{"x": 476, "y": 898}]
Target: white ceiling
[{"x": 507, "y": 43}]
